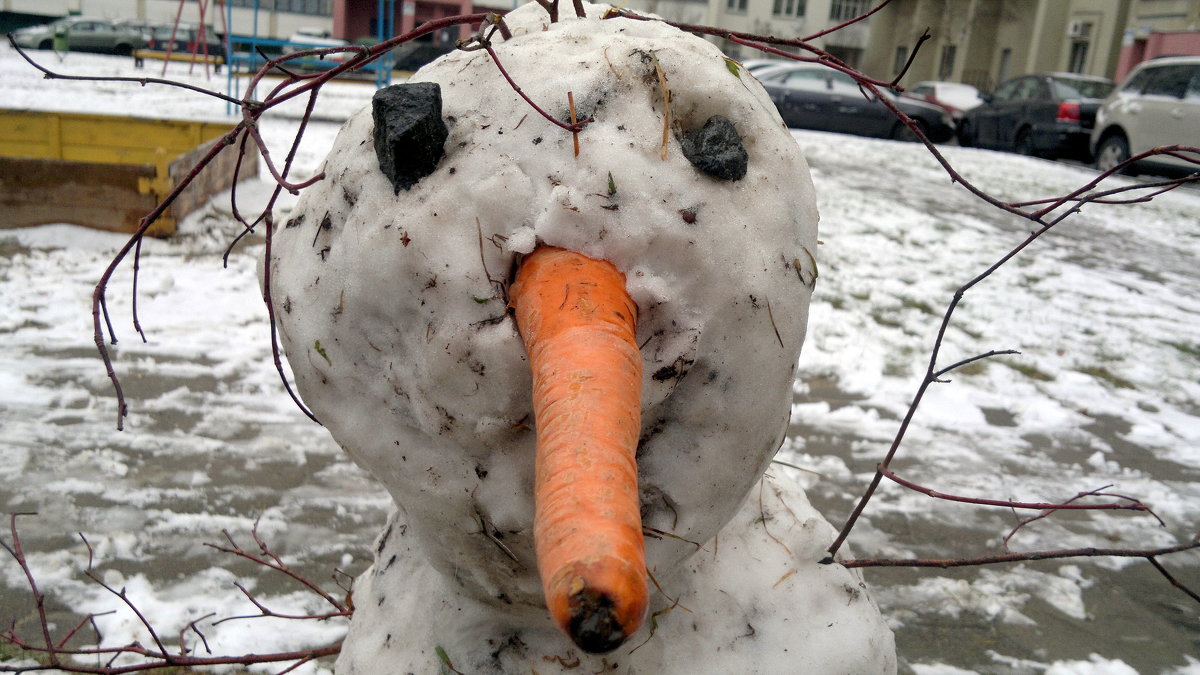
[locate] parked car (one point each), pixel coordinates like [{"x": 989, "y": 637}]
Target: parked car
[
  {"x": 812, "y": 96},
  {"x": 1047, "y": 115},
  {"x": 312, "y": 38},
  {"x": 1157, "y": 104},
  {"x": 187, "y": 37},
  {"x": 954, "y": 97},
  {"x": 83, "y": 34},
  {"x": 410, "y": 56},
  {"x": 756, "y": 65}
]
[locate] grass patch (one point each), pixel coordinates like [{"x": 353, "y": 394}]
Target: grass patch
[
  {"x": 1192, "y": 350},
  {"x": 917, "y": 305},
  {"x": 973, "y": 334},
  {"x": 1104, "y": 375},
  {"x": 973, "y": 368},
  {"x": 1029, "y": 371},
  {"x": 884, "y": 320}
]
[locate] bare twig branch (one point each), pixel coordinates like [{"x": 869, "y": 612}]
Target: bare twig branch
[
  {"x": 143, "y": 81},
  {"x": 1128, "y": 503},
  {"x": 861, "y": 17},
  {"x": 946, "y": 563},
  {"x": 271, "y": 561},
  {"x": 52, "y": 654}
]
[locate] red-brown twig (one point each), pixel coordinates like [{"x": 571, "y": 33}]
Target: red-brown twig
[
  {"x": 551, "y": 7},
  {"x": 154, "y": 659},
  {"x": 54, "y": 653},
  {"x": 39, "y": 600},
  {"x": 276, "y": 353},
  {"x": 143, "y": 81},
  {"x": 99, "y": 300},
  {"x": 1077, "y": 198},
  {"x": 251, "y": 110},
  {"x": 1129, "y": 503},
  {"x": 1070, "y": 504},
  {"x": 1045, "y": 213},
  {"x": 90, "y": 573},
  {"x": 265, "y": 611},
  {"x": 273, "y": 562},
  {"x": 573, "y": 127},
  {"x": 1088, "y": 552},
  {"x": 265, "y": 153},
  {"x": 861, "y": 17},
  {"x": 912, "y": 56},
  {"x": 1153, "y": 560}
]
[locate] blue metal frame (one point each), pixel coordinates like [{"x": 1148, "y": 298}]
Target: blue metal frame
[{"x": 247, "y": 55}]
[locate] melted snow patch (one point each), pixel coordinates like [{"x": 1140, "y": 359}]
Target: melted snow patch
[{"x": 995, "y": 595}]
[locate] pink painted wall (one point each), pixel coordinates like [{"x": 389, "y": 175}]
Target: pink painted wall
[
  {"x": 352, "y": 18},
  {"x": 1156, "y": 45}
]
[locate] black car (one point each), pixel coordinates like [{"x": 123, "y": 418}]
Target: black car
[
  {"x": 1048, "y": 115},
  {"x": 186, "y": 37},
  {"x": 812, "y": 96},
  {"x": 412, "y": 55}
]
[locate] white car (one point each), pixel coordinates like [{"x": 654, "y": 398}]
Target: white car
[
  {"x": 754, "y": 65},
  {"x": 954, "y": 97},
  {"x": 310, "y": 38},
  {"x": 1157, "y": 104}
]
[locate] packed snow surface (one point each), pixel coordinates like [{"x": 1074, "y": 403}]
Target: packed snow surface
[
  {"x": 394, "y": 319},
  {"x": 1104, "y": 392}
]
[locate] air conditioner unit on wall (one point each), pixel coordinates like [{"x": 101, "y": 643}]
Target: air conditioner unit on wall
[{"x": 1079, "y": 29}]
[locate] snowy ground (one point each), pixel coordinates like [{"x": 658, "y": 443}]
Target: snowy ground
[{"x": 1106, "y": 391}]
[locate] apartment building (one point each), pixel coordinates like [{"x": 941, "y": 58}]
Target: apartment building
[
  {"x": 780, "y": 18},
  {"x": 983, "y": 42},
  {"x": 273, "y": 18},
  {"x": 980, "y": 42},
  {"x": 346, "y": 19},
  {"x": 1159, "y": 28}
]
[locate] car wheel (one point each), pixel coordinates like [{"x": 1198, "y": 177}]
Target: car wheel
[
  {"x": 122, "y": 50},
  {"x": 1113, "y": 150},
  {"x": 902, "y": 132},
  {"x": 46, "y": 44},
  {"x": 1024, "y": 144},
  {"x": 966, "y": 135}
]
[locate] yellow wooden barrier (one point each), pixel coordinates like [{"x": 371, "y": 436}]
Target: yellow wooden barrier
[
  {"x": 105, "y": 171},
  {"x": 140, "y": 56}
]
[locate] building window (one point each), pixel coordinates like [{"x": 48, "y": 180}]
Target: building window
[
  {"x": 1080, "y": 34},
  {"x": 844, "y": 10},
  {"x": 1079, "y": 54},
  {"x": 314, "y": 7},
  {"x": 788, "y": 8},
  {"x": 946, "y": 63},
  {"x": 851, "y": 56},
  {"x": 735, "y": 5},
  {"x": 1005, "y": 65},
  {"x": 901, "y": 59}
]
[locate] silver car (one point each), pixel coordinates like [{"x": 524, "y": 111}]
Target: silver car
[
  {"x": 83, "y": 34},
  {"x": 1157, "y": 104}
]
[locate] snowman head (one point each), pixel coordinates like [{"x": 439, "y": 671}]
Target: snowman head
[{"x": 390, "y": 280}]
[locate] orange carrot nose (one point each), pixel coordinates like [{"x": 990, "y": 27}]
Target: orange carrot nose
[{"x": 578, "y": 324}]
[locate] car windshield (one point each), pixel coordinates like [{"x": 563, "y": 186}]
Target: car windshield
[{"x": 1073, "y": 88}]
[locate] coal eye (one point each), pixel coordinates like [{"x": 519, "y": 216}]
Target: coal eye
[
  {"x": 716, "y": 149},
  {"x": 409, "y": 132}
]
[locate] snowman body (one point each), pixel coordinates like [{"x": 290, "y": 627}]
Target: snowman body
[{"x": 392, "y": 313}]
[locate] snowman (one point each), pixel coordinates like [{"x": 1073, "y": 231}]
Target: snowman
[{"x": 416, "y": 286}]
